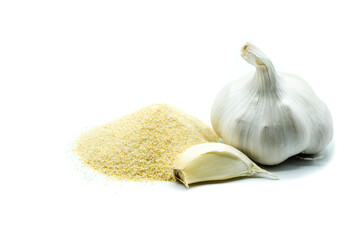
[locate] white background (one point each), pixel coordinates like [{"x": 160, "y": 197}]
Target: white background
[{"x": 68, "y": 65}]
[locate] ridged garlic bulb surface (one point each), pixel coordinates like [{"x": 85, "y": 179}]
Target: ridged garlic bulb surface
[{"x": 271, "y": 116}]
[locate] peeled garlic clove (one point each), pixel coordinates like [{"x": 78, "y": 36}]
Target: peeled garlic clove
[
  {"x": 213, "y": 161},
  {"x": 271, "y": 116}
]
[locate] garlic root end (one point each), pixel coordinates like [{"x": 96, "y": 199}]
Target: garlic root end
[{"x": 180, "y": 177}]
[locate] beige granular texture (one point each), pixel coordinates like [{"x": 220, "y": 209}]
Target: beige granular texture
[{"x": 143, "y": 145}]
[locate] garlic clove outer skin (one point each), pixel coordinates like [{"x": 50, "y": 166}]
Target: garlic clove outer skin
[
  {"x": 213, "y": 161},
  {"x": 271, "y": 116}
]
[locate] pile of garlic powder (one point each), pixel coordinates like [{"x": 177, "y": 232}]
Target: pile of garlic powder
[{"x": 143, "y": 145}]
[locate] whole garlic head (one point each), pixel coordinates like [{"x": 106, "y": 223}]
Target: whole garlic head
[{"x": 271, "y": 116}]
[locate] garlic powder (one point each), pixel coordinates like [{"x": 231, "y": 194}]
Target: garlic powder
[{"x": 143, "y": 145}]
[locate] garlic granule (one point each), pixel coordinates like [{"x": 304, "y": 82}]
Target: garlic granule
[{"x": 143, "y": 145}]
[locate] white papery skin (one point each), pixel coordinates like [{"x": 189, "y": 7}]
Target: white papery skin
[{"x": 271, "y": 116}]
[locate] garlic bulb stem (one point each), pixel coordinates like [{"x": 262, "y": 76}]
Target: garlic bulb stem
[{"x": 265, "y": 77}]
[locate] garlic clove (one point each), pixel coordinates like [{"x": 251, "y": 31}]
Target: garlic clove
[{"x": 213, "y": 161}]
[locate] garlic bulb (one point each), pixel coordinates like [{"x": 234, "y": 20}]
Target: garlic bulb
[
  {"x": 271, "y": 116},
  {"x": 213, "y": 161}
]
